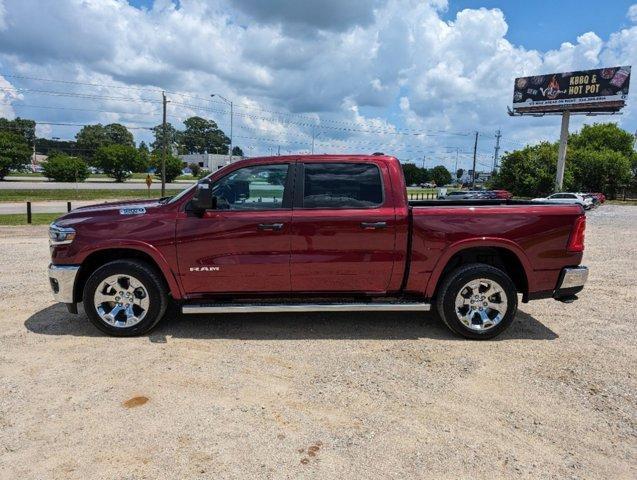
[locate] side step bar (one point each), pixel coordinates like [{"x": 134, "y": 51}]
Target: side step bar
[{"x": 306, "y": 307}]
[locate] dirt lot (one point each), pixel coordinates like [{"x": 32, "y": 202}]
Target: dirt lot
[{"x": 323, "y": 396}]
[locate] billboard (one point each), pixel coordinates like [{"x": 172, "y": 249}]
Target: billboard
[{"x": 599, "y": 90}]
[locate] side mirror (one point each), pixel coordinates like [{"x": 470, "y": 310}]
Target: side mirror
[{"x": 203, "y": 199}]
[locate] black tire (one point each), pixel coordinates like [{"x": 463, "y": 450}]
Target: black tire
[
  {"x": 150, "y": 279},
  {"x": 455, "y": 281}
]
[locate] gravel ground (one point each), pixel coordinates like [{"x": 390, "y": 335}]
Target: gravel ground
[{"x": 323, "y": 396}]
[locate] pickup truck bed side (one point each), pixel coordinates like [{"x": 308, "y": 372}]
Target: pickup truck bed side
[{"x": 537, "y": 237}]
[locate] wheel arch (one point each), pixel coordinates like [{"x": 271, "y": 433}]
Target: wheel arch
[
  {"x": 100, "y": 257},
  {"x": 509, "y": 257}
]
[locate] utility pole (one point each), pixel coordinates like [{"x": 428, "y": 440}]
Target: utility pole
[
  {"x": 475, "y": 154},
  {"x": 456, "y": 170},
  {"x": 278, "y": 151},
  {"x": 423, "y": 161},
  {"x": 231, "y": 122},
  {"x": 314, "y": 136},
  {"x": 561, "y": 154},
  {"x": 498, "y": 135},
  {"x": 164, "y": 146}
]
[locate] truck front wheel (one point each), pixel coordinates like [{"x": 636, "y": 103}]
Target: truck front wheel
[
  {"x": 125, "y": 298},
  {"x": 477, "y": 301}
]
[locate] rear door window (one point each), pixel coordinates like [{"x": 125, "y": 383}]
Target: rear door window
[{"x": 342, "y": 185}]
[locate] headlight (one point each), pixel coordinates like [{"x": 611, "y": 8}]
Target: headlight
[{"x": 60, "y": 235}]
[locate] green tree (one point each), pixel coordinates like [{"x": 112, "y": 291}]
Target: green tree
[
  {"x": 173, "y": 137},
  {"x": 603, "y": 136},
  {"x": 117, "y": 134},
  {"x": 237, "y": 151},
  {"x": 91, "y": 137},
  {"x": 64, "y": 168},
  {"x": 530, "y": 172},
  {"x": 440, "y": 175},
  {"x": 202, "y": 136},
  {"x": 144, "y": 153},
  {"x": 413, "y": 174},
  {"x": 48, "y": 147},
  {"x": 118, "y": 161},
  {"x": 19, "y": 126},
  {"x": 602, "y": 170},
  {"x": 174, "y": 166},
  {"x": 459, "y": 173},
  {"x": 14, "y": 152}
]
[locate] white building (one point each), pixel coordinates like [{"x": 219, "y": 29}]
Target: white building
[{"x": 209, "y": 161}]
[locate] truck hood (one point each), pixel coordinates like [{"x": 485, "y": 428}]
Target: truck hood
[{"x": 112, "y": 210}]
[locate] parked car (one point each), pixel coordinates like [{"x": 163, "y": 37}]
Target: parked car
[
  {"x": 503, "y": 194},
  {"x": 600, "y": 196},
  {"x": 463, "y": 195},
  {"x": 593, "y": 198},
  {"x": 567, "y": 198},
  {"x": 329, "y": 233}
]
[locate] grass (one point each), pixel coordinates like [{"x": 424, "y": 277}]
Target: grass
[
  {"x": 21, "y": 218},
  {"x": 632, "y": 202},
  {"x": 14, "y": 195},
  {"x": 134, "y": 176}
]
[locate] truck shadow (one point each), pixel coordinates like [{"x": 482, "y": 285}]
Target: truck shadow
[{"x": 55, "y": 320}]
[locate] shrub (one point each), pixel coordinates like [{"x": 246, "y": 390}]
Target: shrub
[
  {"x": 118, "y": 161},
  {"x": 174, "y": 167},
  {"x": 195, "y": 169},
  {"x": 64, "y": 168}
]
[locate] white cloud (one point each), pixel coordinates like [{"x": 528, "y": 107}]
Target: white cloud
[
  {"x": 351, "y": 66},
  {"x": 8, "y": 95},
  {"x": 632, "y": 13}
]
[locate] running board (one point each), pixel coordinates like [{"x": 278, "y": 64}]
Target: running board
[{"x": 306, "y": 307}]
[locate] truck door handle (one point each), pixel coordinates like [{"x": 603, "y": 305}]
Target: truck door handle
[
  {"x": 373, "y": 225},
  {"x": 271, "y": 226}
]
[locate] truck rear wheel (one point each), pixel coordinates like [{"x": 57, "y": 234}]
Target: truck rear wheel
[
  {"x": 125, "y": 298},
  {"x": 477, "y": 301}
]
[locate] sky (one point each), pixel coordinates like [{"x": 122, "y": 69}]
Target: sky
[{"x": 412, "y": 78}]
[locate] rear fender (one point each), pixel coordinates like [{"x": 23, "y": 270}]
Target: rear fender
[{"x": 473, "y": 243}]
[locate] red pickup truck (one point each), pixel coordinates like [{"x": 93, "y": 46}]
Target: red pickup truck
[{"x": 314, "y": 233}]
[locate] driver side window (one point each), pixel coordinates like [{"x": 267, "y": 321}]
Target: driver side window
[{"x": 258, "y": 187}]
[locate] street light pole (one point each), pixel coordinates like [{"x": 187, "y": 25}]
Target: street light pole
[
  {"x": 231, "y": 120},
  {"x": 164, "y": 146}
]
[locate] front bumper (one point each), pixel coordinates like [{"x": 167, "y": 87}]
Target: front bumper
[
  {"x": 570, "y": 283},
  {"x": 62, "y": 280}
]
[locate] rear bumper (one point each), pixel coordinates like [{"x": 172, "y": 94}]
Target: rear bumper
[
  {"x": 571, "y": 282},
  {"x": 62, "y": 280}
]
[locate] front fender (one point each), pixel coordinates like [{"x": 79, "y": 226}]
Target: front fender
[{"x": 151, "y": 251}]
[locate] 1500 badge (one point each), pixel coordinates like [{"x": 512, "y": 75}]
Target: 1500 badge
[
  {"x": 204, "y": 269},
  {"x": 132, "y": 211}
]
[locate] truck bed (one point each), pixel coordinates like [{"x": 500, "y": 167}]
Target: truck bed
[
  {"x": 534, "y": 234},
  {"x": 474, "y": 203}
]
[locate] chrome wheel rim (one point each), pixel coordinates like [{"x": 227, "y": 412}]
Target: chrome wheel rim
[
  {"x": 481, "y": 304},
  {"x": 121, "y": 301}
]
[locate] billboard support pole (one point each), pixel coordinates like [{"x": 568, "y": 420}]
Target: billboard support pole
[{"x": 561, "y": 156}]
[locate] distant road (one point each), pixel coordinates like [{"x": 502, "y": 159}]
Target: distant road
[
  {"x": 30, "y": 184},
  {"x": 46, "y": 207}
]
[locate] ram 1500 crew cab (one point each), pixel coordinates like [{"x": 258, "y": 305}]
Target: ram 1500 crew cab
[{"x": 314, "y": 233}]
